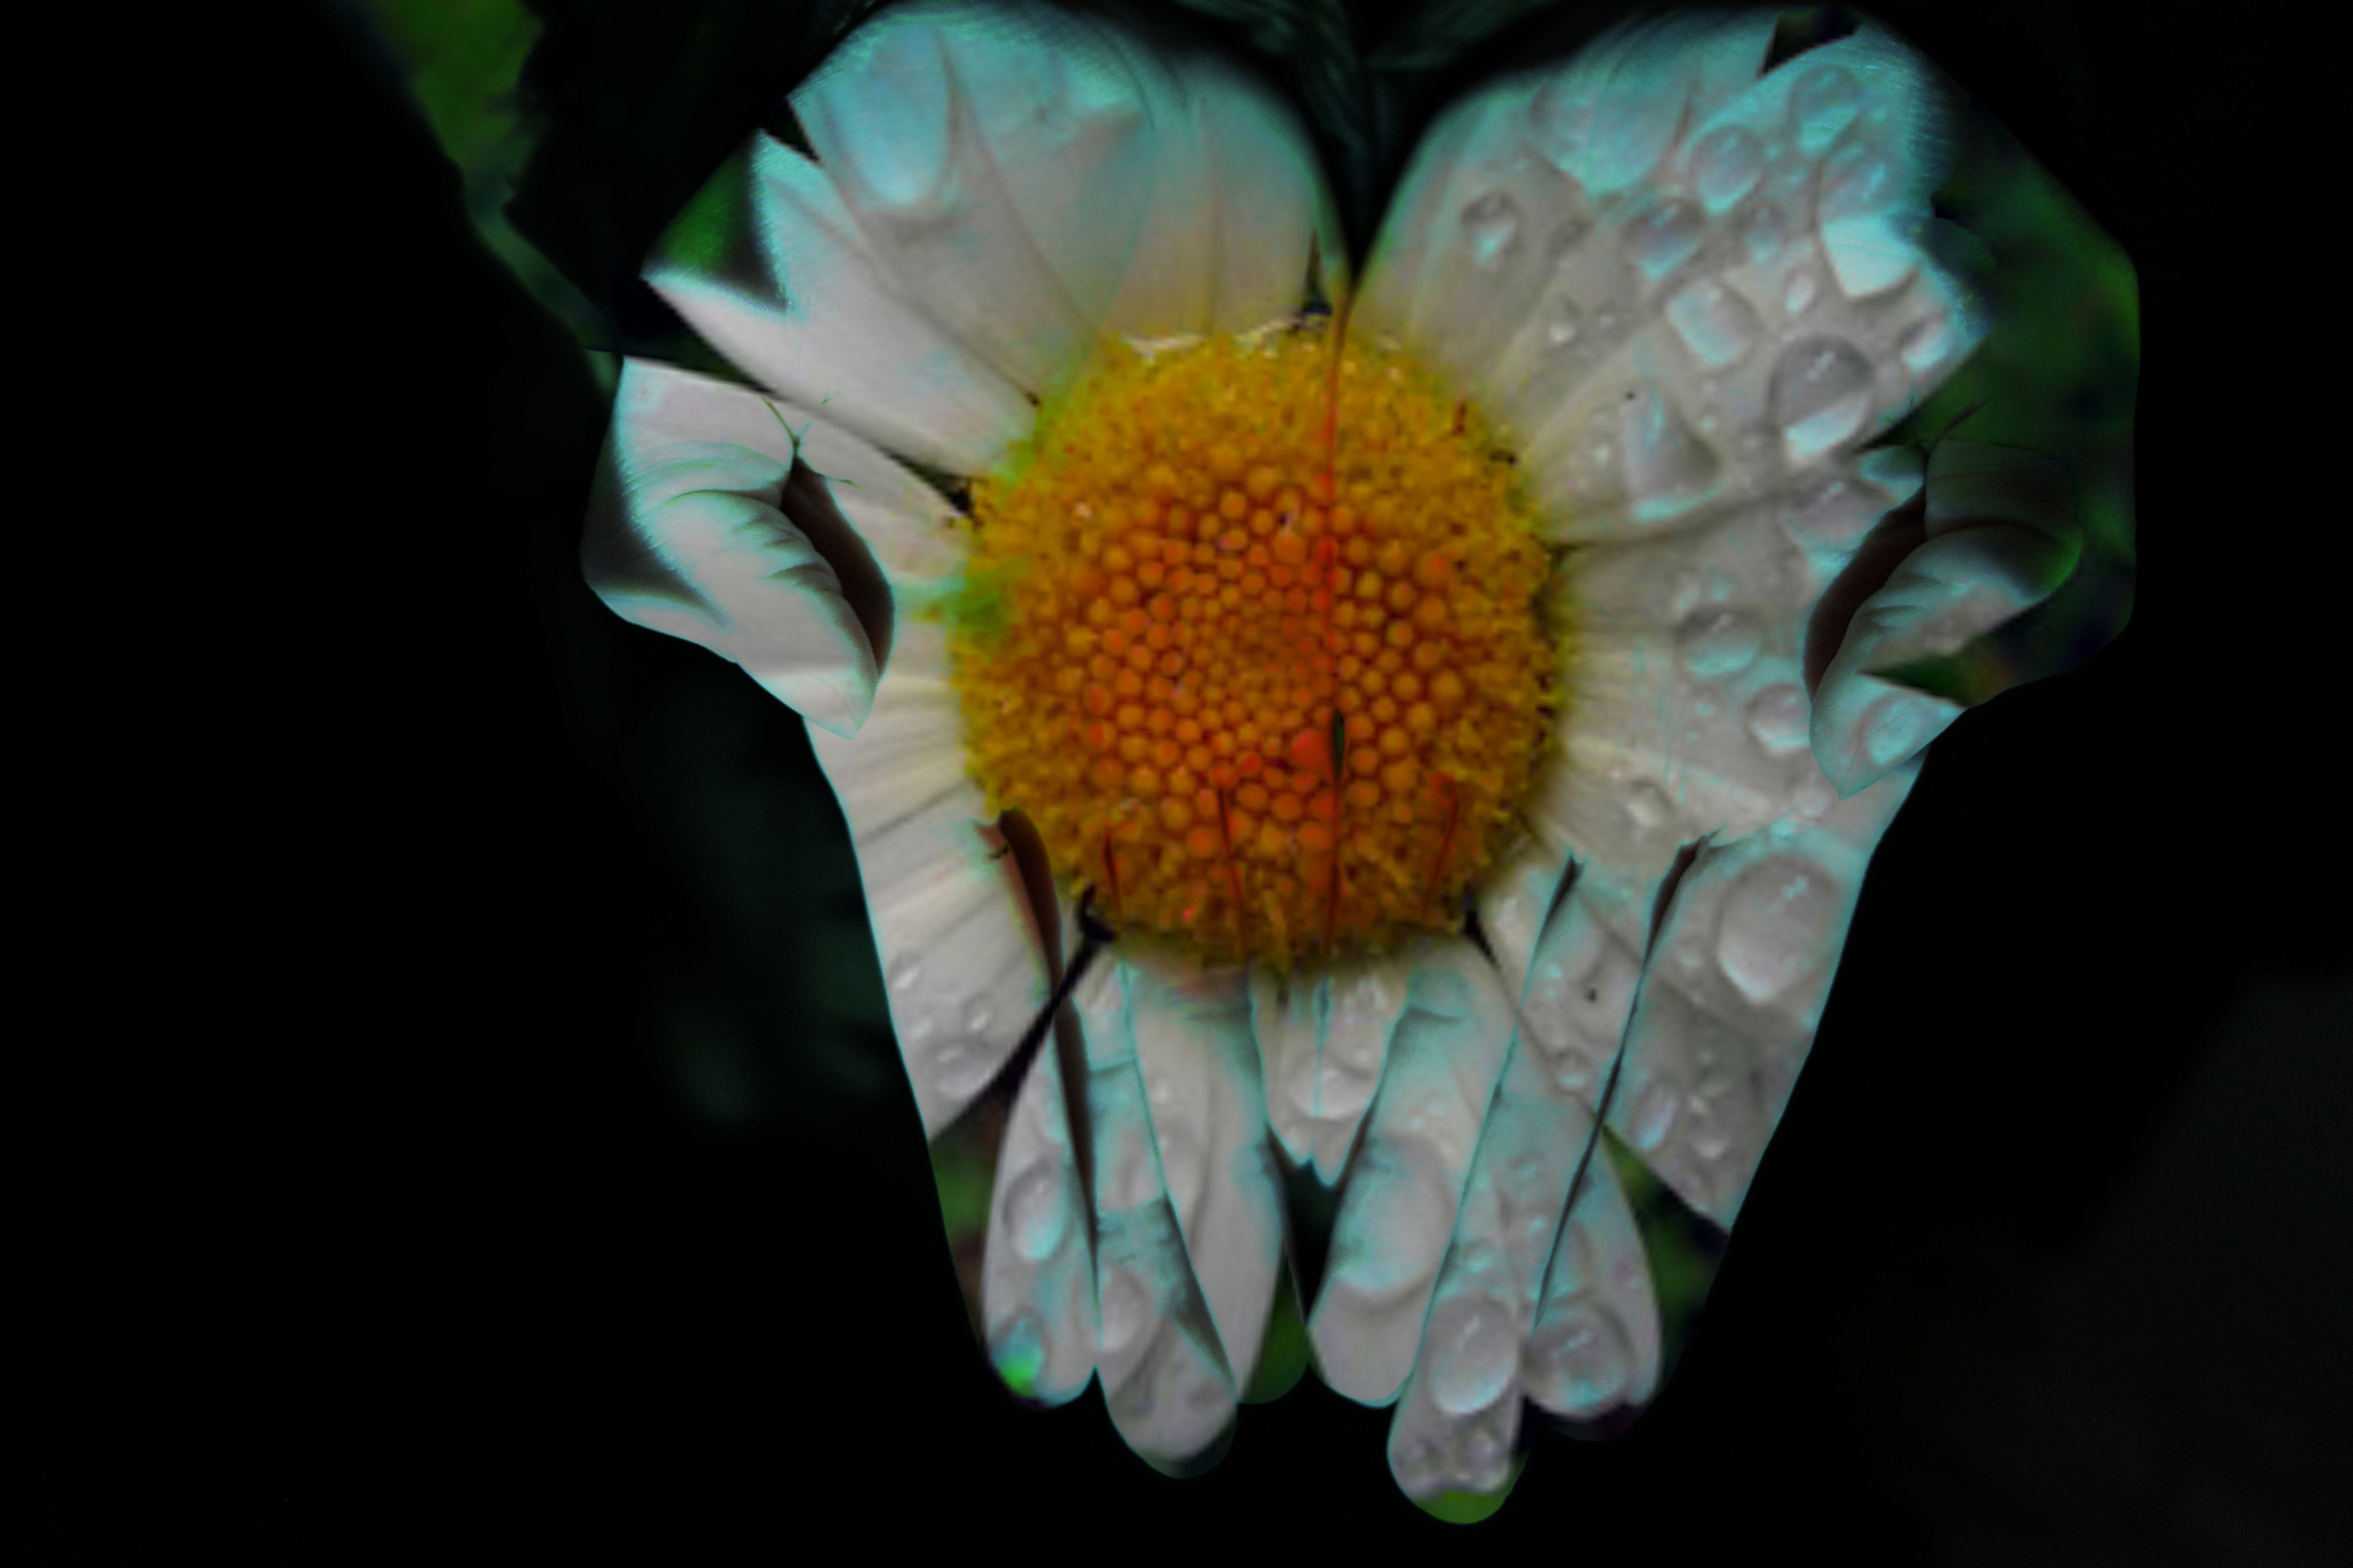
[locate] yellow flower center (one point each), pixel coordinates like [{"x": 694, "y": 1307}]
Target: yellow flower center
[{"x": 1258, "y": 648}]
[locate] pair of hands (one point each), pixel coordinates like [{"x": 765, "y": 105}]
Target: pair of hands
[{"x": 1984, "y": 543}]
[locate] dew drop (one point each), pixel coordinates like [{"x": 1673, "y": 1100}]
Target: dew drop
[
  {"x": 906, "y": 970},
  {"x": 1725, "y": 166},
  {"x": 1036, "y": 1211},
  {"x": 962, "y": 1065},
  {"x": 1577, "y": 1364},
  {"x": 1859, "y": 181},
  {"x": 1492, "y": 225},
  {"x": 1123, "y": 1310},
  {"x": 1718, "y": 642},
  {"x": 977, "y": 1014},
  {"x": 1417, "y": 1467},
  {"x": 1927, "y": 345},
  {"x": 1813, "y": 798},
  {"x": 1669, "y": 469},
  {"x": 1896, "y": 726},
  {"x": 1774, "y": 927},
  {"x": 1646, "y": 803},
  {"x": 1779, "y": 718},
  {"x": 1654, "y": 1115},
  {"x": 1561, "y": 323},
  {"x": 1821, "y": 395},
  {"x": 1717, "y": 324},
  {"x": 1664, "y": 237},
  {"x": 1797, "y": 294},
  {"x": 1762, "y": 232},
  {"x": 1824, "y": 103},
  {"x": 1709, "y": 1140},
  {"x": 1472, "y": 1349}
]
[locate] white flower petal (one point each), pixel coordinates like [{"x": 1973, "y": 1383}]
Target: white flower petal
[
  {"x": 1678, "y": 285},
  {"x": 1322, "y": 1037},
  {"x": 1202, "y": 1088},
  {"x": 686, "y": 534},
  {"x": 1597, "y": 1341},
  {"x": 900, "y": 134},
  {"x": 816, "y": 318},
  {"x": 1733, "y": 993},
  {"x": 1166, "y": 1378},
  {"x": 963, "y": 963},
  {"x": 1037, "y": 1279},
  {"x": 1398, "y": 1207},
  {"x": 1273, "y": 209}
]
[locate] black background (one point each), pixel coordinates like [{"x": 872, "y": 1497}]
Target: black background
[{"x": 534, "y": 1186}]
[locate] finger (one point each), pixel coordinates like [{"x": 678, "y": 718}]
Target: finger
[
  {"x": 1996, "y": 536},
  {"x": 1732, "y": 993},
  {"x": 686, "y": 535},
  {"x": 2057, "y": 375},
  {"x": 1038, "y": 1285},
  {"x": 1598, "y": 1346},
  {"x": 769, "y": 264},
  {"x": 1165, "y": 1380},
  {"x": 964, "y": 963},
  {"x": 1592, "y": 1341},
  {"x": 1398, "y": 1209},
  {"x": 1203, "y": 1089},
  {"x": 1322, "y": 1039}
]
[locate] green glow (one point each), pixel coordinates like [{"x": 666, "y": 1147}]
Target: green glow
[{"x": 1470, "y": 1508}]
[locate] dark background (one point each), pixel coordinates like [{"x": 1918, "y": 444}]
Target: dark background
[{"x": 555, "y": 1179}]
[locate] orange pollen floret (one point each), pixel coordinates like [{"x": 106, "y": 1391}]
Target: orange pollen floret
[{"x": 1272, "y": 677}]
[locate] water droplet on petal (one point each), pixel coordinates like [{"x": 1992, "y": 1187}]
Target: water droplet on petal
[
  {"x": 1491, "y": 223},
  {"x": 1648, "y": 804},
  {"x": 906, "y": 970},
  {"x": 1036, "y": 1211},
  {"x": 1774, "y": 927},
  {"x": 1577, "y": 1363},
  {"x": 1762, "y": 232},
  {"x": 1669, "y": 469},
  {"x": 1124, "y": 1310},
  {"x": 1824, "y": 103},
  {"x": 1797, "y": 294},
  {"x": 1717, "y": 643},
  {"x": 1709, "y": 1140},
  {"x": 978, "y": 1015},
  {"x": 1663, "y": 238},
  {"x": 1779, "y": 718},
  {"x": 1472, "y": 1349},
  {"x": 1726, "y": 166},
  {"x": 961, "y": 1065},
  {"x": 1859, "y": 181},
  {"x": 1561, "y": 323},
  {"x": 1928, "y": 345},
  {"x": 1717, "y": 324},
  {"x": 1821, "y": 395},
  {"x": 1654, "y": 1115},
  {"x": 1894, "y": 727}
]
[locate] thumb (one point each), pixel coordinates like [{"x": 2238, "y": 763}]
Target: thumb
[
  {"x": 702, "y": 525},
  {"x": 1996, "y": 536}
]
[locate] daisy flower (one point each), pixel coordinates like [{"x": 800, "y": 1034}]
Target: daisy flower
[{"x": 1413, "y": 737}]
